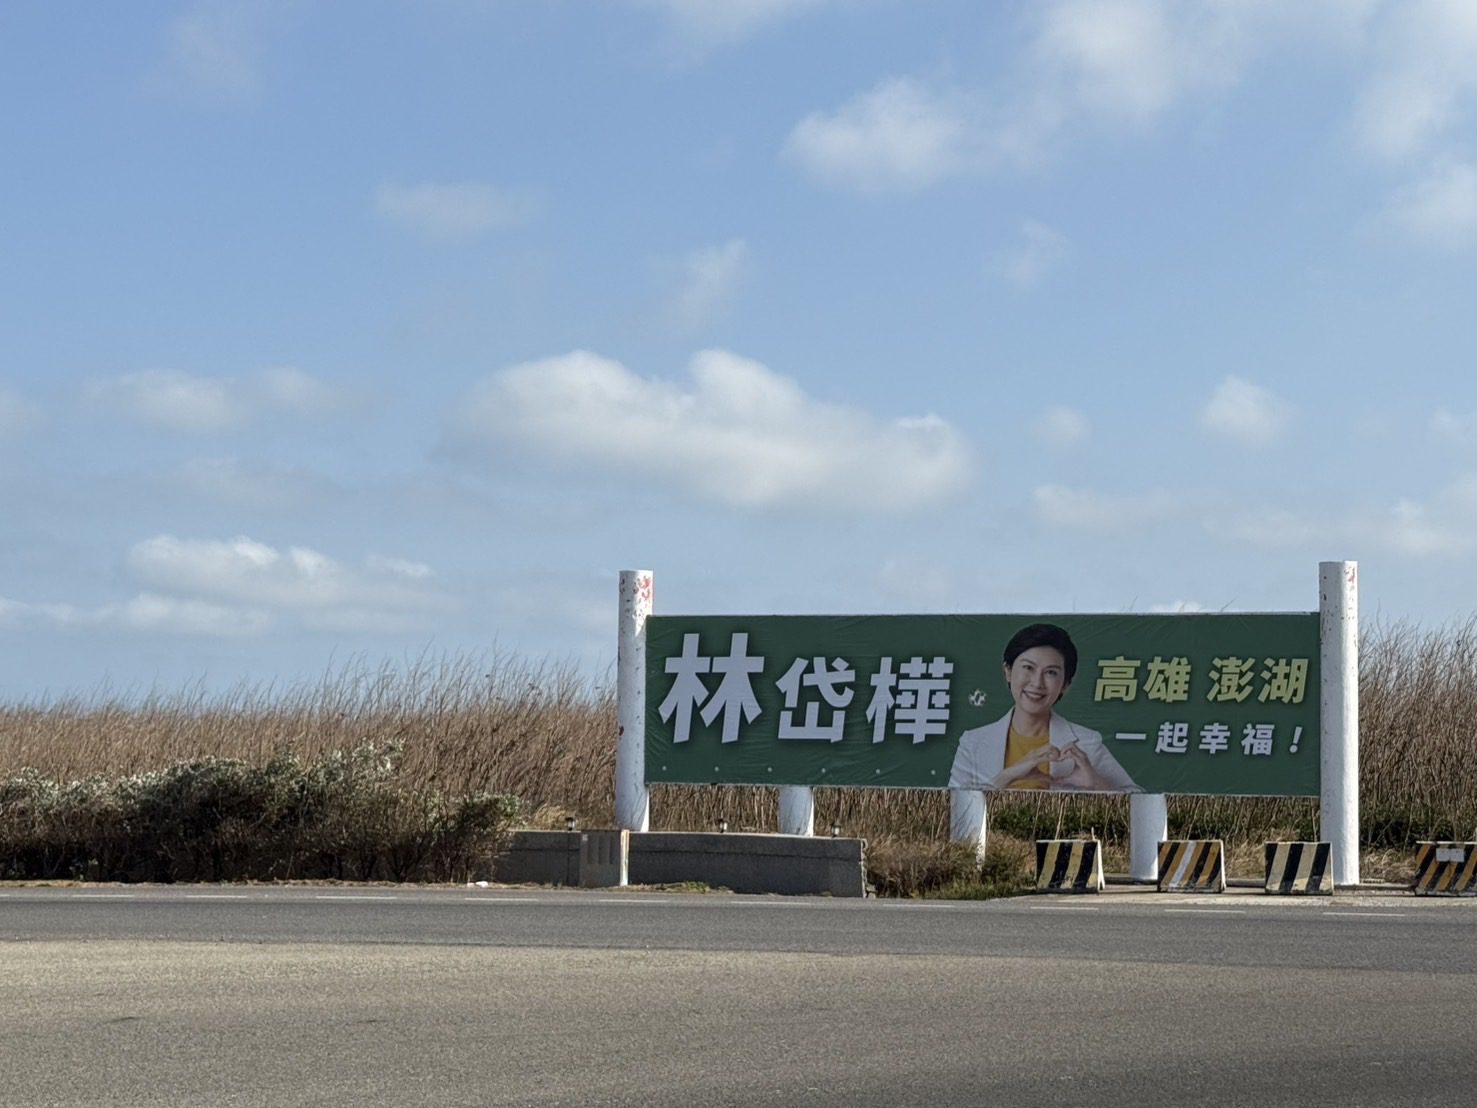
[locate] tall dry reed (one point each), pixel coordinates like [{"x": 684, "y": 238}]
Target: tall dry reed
[
  {"x": 465, "y": 724},
  {"x": 547, "y": 735},
  {"x": 1418, "y": 730}
]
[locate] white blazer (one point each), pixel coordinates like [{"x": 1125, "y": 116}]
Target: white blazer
[{"x": 981, "y": 754}]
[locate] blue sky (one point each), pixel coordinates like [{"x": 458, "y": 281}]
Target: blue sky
[{"x": 353, "y": 331}]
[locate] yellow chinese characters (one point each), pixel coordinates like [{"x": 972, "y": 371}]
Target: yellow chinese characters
[
  {"x": 1117, "y": 679},
  {"x": 1284, "y": 680},
  {"x": 1231, "y": 679}
]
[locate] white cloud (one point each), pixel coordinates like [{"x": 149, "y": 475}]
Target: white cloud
[
  {"x": 184, "y": 402},
  {"x": 1136, "y": 60},
  {"x": 1426, "y": 77},
  {"x": 1106, "y": 58},
  {"x": 239, "y": 569},
  {"x": 899, "y": 137},
  {"x": 1415, "y": 110},
  {"x": 1062, "y": 427},
  {"x": 1446, "y": 524},
  {"x": 709, "y": 280},
  {"x": 1084, "y": 509},
  {"x": 1411, "y": 528},
  {"x": 146, "y": 612},
  {"x": 150, "y": 612},
  {"x": 1121, "y": 57},
  {"x": 1443, "y": 525},
  {"x": 170, "y": 399},
  {"x": 1460, "y": 497},
  {"x": 215, "y": 48},
  {"x": 1460, "y": 430},
  {"x": 297, "y": 583},
  {"x": 1400, "y": 115},
  {"x": 1086, "y": 62},
  {"x": 452, "y": 212},
  {"x": 399, "y": 567},
  {"x": 703, "y": 24},
  {"x": 1040, "y": 251},
  {"x": 1245, "y": 412},
  {"x": 291, "y": 390},
  {"x": 1441, "y": 209},
  {"x": 1177, "y": 607},
  {"x": 738, "y": 434}
]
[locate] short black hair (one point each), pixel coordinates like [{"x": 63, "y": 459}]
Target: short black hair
[{"x": 1043, "y": 634}]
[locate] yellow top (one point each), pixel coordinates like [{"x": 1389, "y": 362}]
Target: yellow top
[{"x": 1017, "y": 746}]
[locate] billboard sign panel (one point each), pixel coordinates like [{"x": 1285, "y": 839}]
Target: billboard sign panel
[{"x": 1213, "y": 704}]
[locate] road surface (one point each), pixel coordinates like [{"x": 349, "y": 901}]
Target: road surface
[{"x": 339, "y": 996}]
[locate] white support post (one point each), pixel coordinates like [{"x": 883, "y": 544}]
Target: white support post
[
  {"x": 632, "y": 801},
  {"x": 968, "y": 819},
  {"x": 1148, "y": 825},
  {"x": 1338, "y": 610},
  {"x": 797, "y": 810}
]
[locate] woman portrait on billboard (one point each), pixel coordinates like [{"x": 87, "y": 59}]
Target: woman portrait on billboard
[{"x": 1031, "y": 746}]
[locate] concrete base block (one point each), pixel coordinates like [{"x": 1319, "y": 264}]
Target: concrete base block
[
  {"x": 799, "y": 865},
  {"x": 604, "y": 859},
  {"x": 1299, "y": 869},
  {"x": 795, "y": 864},
  {"x": 1445, "y": 869},
  {"x": 1069, "y": 866},
  {"x": 540, "y": 858},
  {"x": 1192, "y": 866}
]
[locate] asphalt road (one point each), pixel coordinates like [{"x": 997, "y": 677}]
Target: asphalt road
[{"x": 235, "y": 996}]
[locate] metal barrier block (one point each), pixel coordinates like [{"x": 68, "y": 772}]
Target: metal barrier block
[
  {"x": 1445, "y": 869},
  {"x": 1297, "y": 869},
  {"x": 1192, "y": 866},
  {"x": 1069, "y": 866}
]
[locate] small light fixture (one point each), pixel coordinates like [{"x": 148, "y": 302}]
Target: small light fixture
[
  {"x": 835, "y": 830},
  {"x": 569, "y": 823},
  {"x": 722, "y": 826}
]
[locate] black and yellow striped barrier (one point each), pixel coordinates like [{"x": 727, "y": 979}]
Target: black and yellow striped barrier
[
  {"x": 1445, "y": 869},
  {"x": 1299, "y": 868},
  {"x": 1192, "y": 866},
  {"x": 1069, "y": 866}
]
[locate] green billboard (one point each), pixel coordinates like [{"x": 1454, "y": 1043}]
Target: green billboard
[{"x": 1191, "y": 704}]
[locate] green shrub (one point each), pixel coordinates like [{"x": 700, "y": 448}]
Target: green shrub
[{"x": 344, "y": 815}]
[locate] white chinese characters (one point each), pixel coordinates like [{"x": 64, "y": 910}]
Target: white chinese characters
[
  {"x": 1258, "y": 739},
  {"x": 734, "y": 696},
  {"x": 910, "y": 695},
  {"x": 917, "y": 696},
  {"x": 827, "y": 680}
]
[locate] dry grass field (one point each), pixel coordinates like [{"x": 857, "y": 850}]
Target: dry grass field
[{"x": 469, "y": 725}]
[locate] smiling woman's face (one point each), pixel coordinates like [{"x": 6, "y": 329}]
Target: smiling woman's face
[{"x": 1037, "y": 679}]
